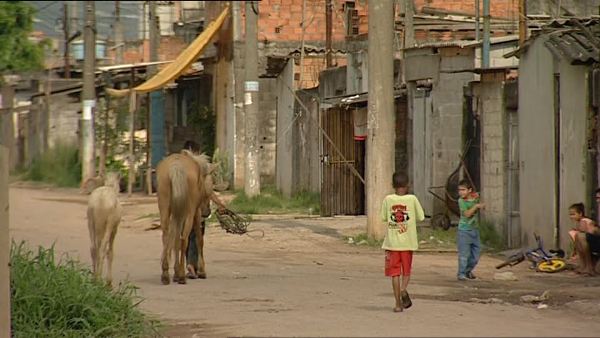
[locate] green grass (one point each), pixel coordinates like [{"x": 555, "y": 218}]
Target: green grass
[
  {"x": 59, "y": 166},
  {"x": 363, "y": 239},
  {"x": 431, "y": 238},
  {"x": 271, "y": 201},
  {"x": 63, "y": 299},
  {"x": 490, "y": 238}
]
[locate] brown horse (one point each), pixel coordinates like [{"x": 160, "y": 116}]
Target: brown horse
[{"x": 184, "y": 187}]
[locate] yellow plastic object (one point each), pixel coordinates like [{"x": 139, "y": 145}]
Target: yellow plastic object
[{"x": 552, "y": 265}]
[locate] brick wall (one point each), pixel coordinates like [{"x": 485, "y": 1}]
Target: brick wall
[
  {"x": 311, "y": 68},
  {"x": 280, "y": 20},
  {"x": 170, "y": 47}
]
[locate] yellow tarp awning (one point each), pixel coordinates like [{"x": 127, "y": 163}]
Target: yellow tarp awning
[{"x": 179, "y": 65}]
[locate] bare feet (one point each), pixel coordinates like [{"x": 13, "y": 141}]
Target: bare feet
[
  {"x": 399, "y": 306},
  {"x": 191, "y": 272}
]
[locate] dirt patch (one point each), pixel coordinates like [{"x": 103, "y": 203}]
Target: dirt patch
[{"x": 302, "y": 279}]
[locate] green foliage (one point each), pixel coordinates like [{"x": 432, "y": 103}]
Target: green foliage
[
  {"x": 111, "y": 124},
  {"x": 364, "y": 239},
  {"x": 222, "y": 173},
  {"x": 17, "y": 53},
  {"x": 63, "y": 299},
  {"x": 203, "y": 120},
  {"x": 59, "y": 166},
  {"x": 271, "y": 201},
  {"x": 490, "y": 238},
  {"x": 436, "y": 238}
]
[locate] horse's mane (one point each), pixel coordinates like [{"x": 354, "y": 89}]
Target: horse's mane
[{"x": 202, "y": 159}]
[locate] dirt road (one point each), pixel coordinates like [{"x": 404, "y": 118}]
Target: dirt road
[{"x": 301, "y": 279}]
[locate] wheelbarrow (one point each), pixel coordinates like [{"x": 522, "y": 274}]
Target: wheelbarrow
[{"x": 448, "y": 194}]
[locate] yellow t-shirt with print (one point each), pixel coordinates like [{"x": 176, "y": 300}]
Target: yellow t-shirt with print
[{"x": 401, "y": 214}]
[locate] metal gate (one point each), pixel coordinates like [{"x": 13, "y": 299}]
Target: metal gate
[{"x": 342, "y": 192}]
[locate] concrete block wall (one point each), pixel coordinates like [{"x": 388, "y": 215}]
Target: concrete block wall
[
  {"x": 447, "y": 117},
  {"x": 65, "y": 113},
  {"x": 490, "y": 107},
  {"x": 267, "y": 132}
]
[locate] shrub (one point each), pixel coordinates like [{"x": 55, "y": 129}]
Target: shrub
[
  {"x": 271, "y": 200},
  {"x": 63, "y": 299},
  {"x": 59, "y": 166}
]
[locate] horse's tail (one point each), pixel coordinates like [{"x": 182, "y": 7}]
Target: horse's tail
[{"x": 179, "y": 191}]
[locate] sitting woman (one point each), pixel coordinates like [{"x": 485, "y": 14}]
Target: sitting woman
[
  {"x": 587, "y": 247},
  {"x": 582, "y": 224}
]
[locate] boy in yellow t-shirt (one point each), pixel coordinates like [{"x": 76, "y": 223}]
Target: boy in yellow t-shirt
[{"x": 400, "y": 211}]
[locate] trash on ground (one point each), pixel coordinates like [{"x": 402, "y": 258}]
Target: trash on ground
[{"x": 505, "y": 275}]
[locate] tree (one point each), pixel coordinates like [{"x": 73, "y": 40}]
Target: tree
[{"x": 17, "y": 52}]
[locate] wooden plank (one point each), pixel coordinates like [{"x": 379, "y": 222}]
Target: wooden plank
[{"x": 19, "y": 109}]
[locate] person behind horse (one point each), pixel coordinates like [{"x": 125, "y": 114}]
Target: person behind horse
[
  {"x": 192, "y": 251},
  {"x": 203, "y": 214}
]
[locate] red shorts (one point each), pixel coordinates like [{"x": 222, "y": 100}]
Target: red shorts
[{"x": 398, "y": 263}]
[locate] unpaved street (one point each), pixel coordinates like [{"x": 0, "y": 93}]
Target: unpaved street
[{"x": 301, "y": 279}]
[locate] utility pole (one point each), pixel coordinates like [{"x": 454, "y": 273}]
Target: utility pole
[
  {"x": 409, "y": 30},
  {"x": 522, "y": 22},
  {"x": 328, "y": 31},
  {"x": 118, "y": 30},
  {"x": 485, "y": 57},
  {"x": 88, "y": 162},
  {"x": 132, "y": 107},
  {"x": 239, "y": 146},
  {"x": 4, "y": 233},
  {"x": 67, "y": 36},
  {"x": 477, "y": 17},
  {"x": 302, "y": 44},
  {"x": 73, "y": 16},
  {"x": 154, "y": 43},
  {"x": 380, "y": 141},
  {"x": 252, "y": 172}
]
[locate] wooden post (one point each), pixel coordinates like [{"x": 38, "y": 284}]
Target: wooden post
[
  {"x": 302, "y": 42},
  {"x": 381, "y": 117},
  {"x": 148, "y": 146},
  {"x": 252, "y": 167},
  {"x": 328, "y": 32},
  {"x": 522, "y": 22},
  {"x": 4, "y": 235},
  {"x": 132, "y": 106},
  {"x": 88, "y": 162}
]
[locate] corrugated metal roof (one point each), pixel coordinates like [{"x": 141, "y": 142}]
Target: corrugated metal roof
[
  {"x": 465, "y": 43},
  {"x": 577, "y": 41}
]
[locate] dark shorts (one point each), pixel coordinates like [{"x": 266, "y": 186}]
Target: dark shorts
[
  {"x": 594, "y": 243},
  {"x": 398, "y": 263}
]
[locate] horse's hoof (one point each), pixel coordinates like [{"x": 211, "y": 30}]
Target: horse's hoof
[
  {"x": 202, "y": 275},
  {"x": 182, "y": 280},
  {"x": 164, "y": 280}
]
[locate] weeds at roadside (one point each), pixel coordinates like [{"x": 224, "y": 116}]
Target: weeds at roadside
[
  {"x": 271, "y": 201},
  {"x": 61, "y": 298},
  {"x": 60, "y": 166}
]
